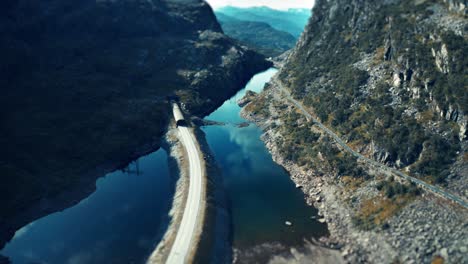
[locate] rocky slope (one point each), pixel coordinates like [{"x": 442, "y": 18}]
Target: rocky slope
[
  {"x": 390, "y": 78},
  {"x": 84, "y": 89},
  {"x": 366, "y": 223}
]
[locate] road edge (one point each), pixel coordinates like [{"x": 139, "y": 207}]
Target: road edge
[{"x": 178, "y": 153}]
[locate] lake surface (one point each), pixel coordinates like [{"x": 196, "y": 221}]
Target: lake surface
[
  {"x": 119, "y": 223},
  {"x": 261, "y": 194},
  {"x": 126, "y": 217}
]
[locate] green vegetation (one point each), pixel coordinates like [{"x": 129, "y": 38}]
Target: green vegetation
[
  {"x": 298, "y": 145},
  {"x": 303, "y": 146},
  {"x": 393, "y": 197},
  {"x": 336, "y": 106},
  {"x": 324, "y": 76},
  {"x": 259, "y": 107},
  {"x": 376, "y": 211},
  {"x": 391, "y": 188},
  {"x": 438, "y": 155}
]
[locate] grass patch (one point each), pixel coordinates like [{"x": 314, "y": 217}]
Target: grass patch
[
  {"x": 258, "y": 107},
  {"x": 352, "y": 183},
  {"x": 376, "y": 211}
]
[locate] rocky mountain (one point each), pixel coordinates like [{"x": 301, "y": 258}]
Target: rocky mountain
[
  {"x": 291, "y": 21},
  {"x": 260, "y": 36},
  {"x": 389, "y": 78},
  {"x": 84, "y": 87},
  {"x": 394, "y": 78}
]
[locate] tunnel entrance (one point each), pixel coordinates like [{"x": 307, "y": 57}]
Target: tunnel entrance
[{"x": 181, "y": 123}]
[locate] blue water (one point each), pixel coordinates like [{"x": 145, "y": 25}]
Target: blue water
[
  {"x": 125, "y": 218},
  {"x": 119, "y": 223},
  {"x": 261, "y": 193}
]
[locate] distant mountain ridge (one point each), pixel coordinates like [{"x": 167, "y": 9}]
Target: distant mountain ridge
[
  {"x": 257, "y": 35},
  {"x": 268, "y": 31},
  {"x": 292, "y": 21}
]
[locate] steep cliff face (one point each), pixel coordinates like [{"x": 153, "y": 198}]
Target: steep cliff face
[
  {"x": 390, "y": 76},
  {"x": 84, "y": 86},
  {"x": 386, "y": 79}
]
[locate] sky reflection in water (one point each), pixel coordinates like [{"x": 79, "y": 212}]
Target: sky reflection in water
[
  {"x": 261, "y": 193},
  {"x": 120, "y": 223}
]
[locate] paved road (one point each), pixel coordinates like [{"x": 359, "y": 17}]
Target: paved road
[
  {"x": 425, "y": 185},
  {"x": 184, "y": 239}
]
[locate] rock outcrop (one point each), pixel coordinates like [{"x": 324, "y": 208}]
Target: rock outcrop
[
  {"x": 389, "y": 77},
  {"x": 249, "y": 96},
  {"x": 388, "y": 74},
  {"x": 84, "y": 87}
]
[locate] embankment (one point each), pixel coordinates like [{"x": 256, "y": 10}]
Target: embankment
[{"x": 212, "y": 238}]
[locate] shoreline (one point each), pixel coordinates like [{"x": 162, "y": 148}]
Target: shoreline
[
  {"x": 180, "y": 170},
  {"x": 25, "y": 210},
  {"x": 374, "y": 246},
  {"x": 69, "y": 196},
  {"x": 212, "y": 236}
]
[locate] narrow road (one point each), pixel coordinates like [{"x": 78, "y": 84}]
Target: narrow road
[
  {"x": 186, "y": 232},
  {"x": 338, "y": 140}
]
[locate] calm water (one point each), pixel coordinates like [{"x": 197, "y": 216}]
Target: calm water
[
  {"x": 127, "y": 215},
  {"x": 261, "y": 193},
  {"x": 120, "y": 223}
]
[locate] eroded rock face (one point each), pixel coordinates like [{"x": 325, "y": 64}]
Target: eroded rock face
[
  {"x": 458, "y": 6},
  {"x": 375, "y": 69},
  {"x": 366, "y": 69},
  {"x": 84, "y": 86}
]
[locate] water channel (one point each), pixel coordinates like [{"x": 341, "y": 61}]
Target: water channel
[{"x": 123, "y": 220}]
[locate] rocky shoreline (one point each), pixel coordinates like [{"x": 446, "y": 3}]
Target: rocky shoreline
[{"x": 425, "y": 230}]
